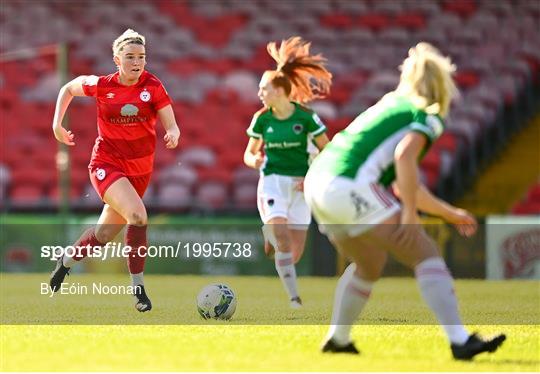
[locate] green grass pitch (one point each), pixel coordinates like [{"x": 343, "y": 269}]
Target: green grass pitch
[{"x": 395, "y": 333}]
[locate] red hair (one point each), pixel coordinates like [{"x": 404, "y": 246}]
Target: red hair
[{"x": 302, "y": 76}]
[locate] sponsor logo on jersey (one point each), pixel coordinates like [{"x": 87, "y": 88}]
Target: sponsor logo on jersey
[
  {"x": 100, "y": 174},
  {"x": 360, "y": 204},
  {"x": 129, "y": 110},
  {"x": 283, "y": 144},
  {"x": 298, "y": 128},
  {"x": 145, "y": 96},
  {"x": 270, "y": 130},
  {"x": 129, "y": 116},
  {"x": 110, "y": 95}
]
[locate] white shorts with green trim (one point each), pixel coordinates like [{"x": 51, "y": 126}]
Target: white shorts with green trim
[
  {"x": 345, "y": 207},
  {"x": 277, "y": 196}
]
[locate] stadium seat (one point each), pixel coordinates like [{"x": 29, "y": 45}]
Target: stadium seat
[
  {"x": 26, "y": 195},
  {"x": 211, "y": 195},
  {"x": 174, "y": 197},
  {"x": 197, "y": 156},
  {"x": 245, "y": 175},
  {"x": 245, "y": 196},
  {"x": 177, "y": 174},
  {"x": 89, "y": 198}
]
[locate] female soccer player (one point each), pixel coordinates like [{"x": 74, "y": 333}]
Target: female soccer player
[
  {"x": 129, "y": 102},
  {"x": 346, "y": 184},
  {"x": 287, "y": 130}
]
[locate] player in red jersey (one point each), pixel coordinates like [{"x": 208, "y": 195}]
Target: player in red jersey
[{"x": 129, "y": 102}]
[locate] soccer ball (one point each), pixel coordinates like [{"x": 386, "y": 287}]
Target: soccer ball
[{"x": 216, "y": 301}]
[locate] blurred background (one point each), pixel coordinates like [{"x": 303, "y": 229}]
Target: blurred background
[{"x": 210, "y": 55}]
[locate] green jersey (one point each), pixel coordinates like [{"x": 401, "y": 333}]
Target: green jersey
[
  {"x": 364, "y": 151},
  {"x": 286, "y": 141}
]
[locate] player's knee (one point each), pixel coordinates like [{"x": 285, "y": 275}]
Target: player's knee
[
  {"x": 368, "y": 274},
  {"x": 138, "y": 218},
  {"x": 283, "y": 240}
]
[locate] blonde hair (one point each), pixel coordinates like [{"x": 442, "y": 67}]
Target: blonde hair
[
  {"x": 302, "y": 76},
  {"x": 128, "y": 37},
  {"x": 426, "y": 78}
]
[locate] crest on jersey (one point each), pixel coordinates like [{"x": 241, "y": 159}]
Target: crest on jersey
[
  {"x": 110, "y": 95},
  {"x": 270, "y": 130},
  {"x": 129, "y": 110},
  {"x": 298, "y": 128},
  {"x": 101, "y": 174},
  {"x": 145, "y": 96}
]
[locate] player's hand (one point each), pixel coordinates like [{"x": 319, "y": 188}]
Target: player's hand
[
  {"x": 171, "y": 138},
  {"x": 258, "y": 160},
  {"x": 64, "y": 136},
  {"x": 299, "y": 185},
  {"x": 464, "y": 222}
]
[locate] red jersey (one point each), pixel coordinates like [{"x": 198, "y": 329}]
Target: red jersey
[{"x": 126, "y": 121}]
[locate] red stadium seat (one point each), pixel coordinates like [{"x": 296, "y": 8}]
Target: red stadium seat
[
  {"x": 374, "y": 21},
  {"x": 337, "y": 20},
  {"x": 410, "y": 20},
  {"x": 215, "y": 175},
  {"x": 463, "y": 8},
  {"x": 466, "y": 79},
  {"x": 26, "y": 194}
]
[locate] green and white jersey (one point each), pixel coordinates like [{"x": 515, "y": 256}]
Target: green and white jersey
[
  {"x": 286, "y": 141},
  {"x": 364, "y": 151}
]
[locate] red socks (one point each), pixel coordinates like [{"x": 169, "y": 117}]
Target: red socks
[{"x": 136, "y": 239}]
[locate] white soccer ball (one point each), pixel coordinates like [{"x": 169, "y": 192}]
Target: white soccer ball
[{"x": 216, "y": 301}]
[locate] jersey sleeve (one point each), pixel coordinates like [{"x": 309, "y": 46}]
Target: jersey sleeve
[
  {"x": 315, "y": 126},
  {"x": 90, "y": 85},
  {"x": 255, "y": 129},
  {"x": 161, "y": 97},
  {"x": 429, "y": 125}
]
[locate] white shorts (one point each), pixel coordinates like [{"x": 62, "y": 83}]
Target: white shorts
[
  {"x": 277, "y": 197},
  {"x": 345, "y": 207}
]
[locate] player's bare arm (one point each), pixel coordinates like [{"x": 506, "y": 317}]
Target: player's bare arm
[
  {"x": 253, "y": 156},
  {"x": 321, "y": 141},
  {"x": 172, "y": 136},
  {"x": 66, "y": 94},
  {"x": 406, "y": 156}
]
